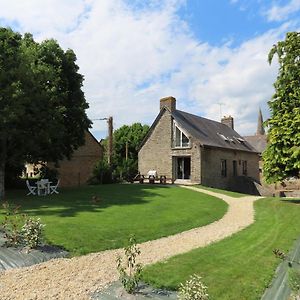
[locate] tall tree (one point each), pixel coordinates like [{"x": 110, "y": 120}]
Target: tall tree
[
  {"x": 42, "y": 106},
  {"x": 282, "y": 156},
  {"x": 126, "y": 142}
]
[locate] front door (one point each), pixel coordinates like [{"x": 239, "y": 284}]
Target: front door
[{"x": 183, "y": 168}]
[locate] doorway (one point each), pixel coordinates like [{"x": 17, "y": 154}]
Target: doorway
[
  {"x": 183, "y": 167},
  {"x": 234, "y": 167}
]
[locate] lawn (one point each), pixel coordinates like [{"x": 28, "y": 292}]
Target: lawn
[
  {"x": 241, "y": 266},
  {"x": 224, "y": 192},
  {"x": 147, "y": 211}
]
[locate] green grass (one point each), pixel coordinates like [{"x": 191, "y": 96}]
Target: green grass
[
  {"x": 147, "y": 211},
  {"x": 241, "y": 266},
  {"x": 224, "y": 192}
]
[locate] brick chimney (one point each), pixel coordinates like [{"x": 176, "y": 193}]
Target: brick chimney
[
  {"x": 169, "y": 102},
  {"x": 228, "y": 121}
]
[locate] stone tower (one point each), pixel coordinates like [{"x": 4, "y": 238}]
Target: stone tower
[{"x": 260, "y": 126}]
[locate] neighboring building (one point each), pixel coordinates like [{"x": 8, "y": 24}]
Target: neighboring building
[
  {"x": 188, "y": 148},
  {"x": 259, "y": 140},
  {"x": 78, "y": 170}
]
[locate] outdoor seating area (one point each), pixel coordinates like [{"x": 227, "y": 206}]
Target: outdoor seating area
[
  {"x": 42, "y": 187},
  {"x": 152, "y": 177}
]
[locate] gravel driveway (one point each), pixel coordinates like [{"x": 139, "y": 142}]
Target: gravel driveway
[{"x": 77, "y": 277}]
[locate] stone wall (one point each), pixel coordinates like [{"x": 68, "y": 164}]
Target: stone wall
[
  {"x": 211, "y": 166},
  {"x": 156, "y": 152},
  {"x": 77, "y": 170}
]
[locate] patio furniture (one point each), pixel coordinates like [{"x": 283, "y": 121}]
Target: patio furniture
[
  {"x": 32, "y": 189},
  {"x": 43, "y": 187},
  {"x": 151, "y": 179},
  {"x": 163, "y": 179},
  {"x": 53, "y": 188}
]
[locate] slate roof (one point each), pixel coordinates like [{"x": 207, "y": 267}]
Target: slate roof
[
  {"x": 258, "y": 142},
  {"x": 211, "y": 133}
]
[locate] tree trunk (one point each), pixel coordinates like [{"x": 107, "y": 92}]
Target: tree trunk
[{"x": 2, "y": 176}]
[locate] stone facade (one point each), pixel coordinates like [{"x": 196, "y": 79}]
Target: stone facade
[
  {"x": 78, "y": 170},
  {"x": 211, "y": 171},
  {"x": 156, "y": 152},
  {"x": 204, "y": 162}
]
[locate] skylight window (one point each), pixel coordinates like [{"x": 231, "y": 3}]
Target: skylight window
[
  {"x": 223, "y": 137},
  {"x": 240, "y": 140}
]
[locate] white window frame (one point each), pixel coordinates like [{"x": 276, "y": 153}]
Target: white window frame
[{"x": 175, "y": 126}]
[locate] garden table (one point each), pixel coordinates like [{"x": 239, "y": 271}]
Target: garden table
[{"x": 43, "y": 187}]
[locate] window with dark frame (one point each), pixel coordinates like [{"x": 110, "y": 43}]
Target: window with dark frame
[
  {"x": 223, "y": 168},
  {"x": 245, "y": 168},
  {"x": 234, "y": 167},
  {"x": 180, "y": 140}
]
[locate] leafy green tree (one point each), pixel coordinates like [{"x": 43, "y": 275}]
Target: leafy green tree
[
  {"x": 131, "y": 135},
  {"x": 42, "y": 106},
  {"x": 282, "y": 156},
  {"x": 126, "y": 142}
]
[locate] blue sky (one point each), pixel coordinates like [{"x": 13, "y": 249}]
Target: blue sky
[{"x": 207, "y": 54}]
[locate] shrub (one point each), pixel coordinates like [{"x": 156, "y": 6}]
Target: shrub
[
  {"x": 193, "y": 289},
  {"x": 101, "y": 173},
  {"x": 19, "y": 229},
  {"x": 130, "y": 271},
  {"x": 12, "y": 224},
  {"x": 32, "y": 232}
]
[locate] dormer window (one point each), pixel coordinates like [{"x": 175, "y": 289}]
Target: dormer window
[{"x": 180, "y": 140}]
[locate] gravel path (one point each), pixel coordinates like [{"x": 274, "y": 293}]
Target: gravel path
[{"x": 77, "y": 277}]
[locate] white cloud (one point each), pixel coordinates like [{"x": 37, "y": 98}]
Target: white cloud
[
  {"x": 280, "y": 13},
  {"x": 132, "y": 57}
]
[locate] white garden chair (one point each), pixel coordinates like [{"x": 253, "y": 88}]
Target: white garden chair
[
  {"x": 31, "y": 188},
  {"x": 53, "y": 188}
]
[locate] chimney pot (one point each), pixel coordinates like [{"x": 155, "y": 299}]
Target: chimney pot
[
  {"x": 228, "y": 121},
  {"x": 169, "y": 102}
]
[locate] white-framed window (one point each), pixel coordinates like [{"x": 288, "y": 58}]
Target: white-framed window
[{"x": 180, "y": 139}]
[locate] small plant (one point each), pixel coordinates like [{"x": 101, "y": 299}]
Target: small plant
[
  {"x": 193, "y": 289},
  {"x": 294, "y": 280},
  {"x": 279, "y": 254},
  {"x": 12, "y": 224},
  {"x": 32, "y": 232},
  {"x": 130, "y": 270}
]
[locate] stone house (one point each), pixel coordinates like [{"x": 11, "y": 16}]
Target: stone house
[
  {"x": 188, "y": 148},
  {"x": 77, "y": 170},
  {"x": 259, "y": 141}
]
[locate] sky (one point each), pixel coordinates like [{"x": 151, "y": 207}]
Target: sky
[{"x": 210, "y": 55}]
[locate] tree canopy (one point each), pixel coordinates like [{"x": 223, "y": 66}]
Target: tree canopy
[
  {"x": 282, "y": 156},
  {"x": 126, "y": 142},
  {"x": 42, "y": 106}
]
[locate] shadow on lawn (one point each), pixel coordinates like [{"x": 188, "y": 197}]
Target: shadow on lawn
[
  {"x": 294, "y": 201},
  {"x": 71, "y": 201}
]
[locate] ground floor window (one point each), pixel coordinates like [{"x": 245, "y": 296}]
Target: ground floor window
[
  {"x": 245, "y": 168},
  {"x": 223, "y": 168}
]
